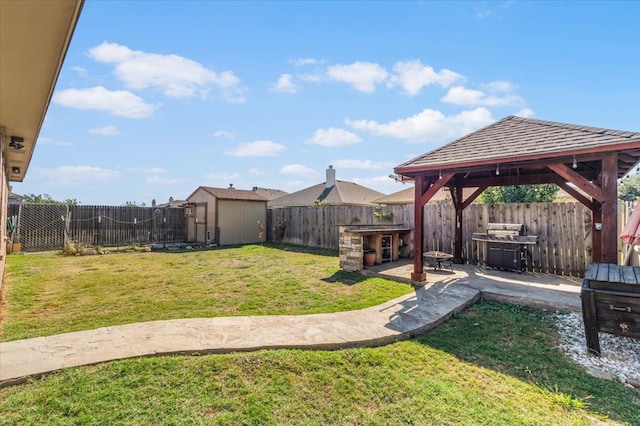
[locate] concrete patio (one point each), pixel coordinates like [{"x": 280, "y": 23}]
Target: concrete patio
[{"x": 542, "y": 291}]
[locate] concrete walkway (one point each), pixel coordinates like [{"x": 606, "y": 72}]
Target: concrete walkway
[
  {"x": 444, "y": 294},
  {"x": 536, "y": 290}
]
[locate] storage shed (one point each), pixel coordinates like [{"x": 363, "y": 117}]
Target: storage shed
[{"x": 226, "y": 216}]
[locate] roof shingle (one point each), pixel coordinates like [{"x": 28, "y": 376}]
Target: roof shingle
[
  {"x": 233, "y": 194},
  {"x": 342, "y": 193},
  {"x": 514, "y": 137}
]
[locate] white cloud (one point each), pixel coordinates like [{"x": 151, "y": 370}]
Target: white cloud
[
  {"x": 49, "y": 141},
  {"x": 150, "y": 170},
  {"x": 381, "y": 183},
  {"x": 333, "y": 137},
  {"x": 310, "y": 78},
  {"x": 174, "y": 75},
  {"x": 257, "y": 149},
  {"x": 221, "y": 176},
  {"x": 525, "y": 113},
  {"x": 110, "y": 53},
  {"x": 298, "y": 170},
  {"x": 105, "y": 131},
  {"x": 256, "y": 172},
  {"x": 428, "y": 125},
  {"x": 71, "y": 175},
  {"x": 224, "y": 134},
  {"x": 363, "y": 76},
  {"x": 499, "y": 86},
  {"x": 362, "y": 164},
  {"x": 482, "y": 14},
  {"x": 462, "y": 96},
  {"x": 159, "y": 180},
  {"x": 412, "y": 76},
  {"x": 304, "y": 61},
  {"x": 82, "y": 72},
  {"x": 119, "y": 102},
  {"x": 285, "y": 84},
  {"x": 374, "y": 181}
]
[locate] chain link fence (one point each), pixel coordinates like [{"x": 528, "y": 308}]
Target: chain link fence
[{"x": 42, "y": 227}]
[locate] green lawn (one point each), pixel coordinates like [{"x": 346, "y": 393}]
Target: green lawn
[
  {"x": 49, "y": 293},
  {"x": 492, "y": 365}
]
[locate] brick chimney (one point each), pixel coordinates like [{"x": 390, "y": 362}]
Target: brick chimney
[{"x": 331, "y": 177}]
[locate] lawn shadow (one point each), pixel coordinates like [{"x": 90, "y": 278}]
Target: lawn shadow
[
  {"x": 344, "y": 277},
  {"x": 303, "y": 249},
  {"x": 520, "y": 342},
  {"x": 190, "y": 248}
]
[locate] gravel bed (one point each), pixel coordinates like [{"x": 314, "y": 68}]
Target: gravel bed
[{"x": 620, "y": 356}]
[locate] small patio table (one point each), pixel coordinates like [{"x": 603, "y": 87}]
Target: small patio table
[{"x": 438, "y": 259}]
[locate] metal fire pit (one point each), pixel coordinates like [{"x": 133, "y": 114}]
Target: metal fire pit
[{"x": 507, "y": 246}]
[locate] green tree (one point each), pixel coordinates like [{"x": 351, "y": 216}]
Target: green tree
[
  {"x": 46, "y": 199},
  {"x": 629, "y": 188},
  {"x": 543, "y": 193}
]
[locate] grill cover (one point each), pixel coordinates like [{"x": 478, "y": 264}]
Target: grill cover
[{"x": 505, "y": 229}]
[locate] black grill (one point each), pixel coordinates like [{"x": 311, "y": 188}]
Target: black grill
[{"x": 507, "y": 246}]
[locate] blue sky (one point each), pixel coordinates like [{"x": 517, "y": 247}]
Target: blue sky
[{"x": 157, "y": 98}]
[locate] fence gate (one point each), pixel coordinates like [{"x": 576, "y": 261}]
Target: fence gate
[{"x": 38, "y": 227}]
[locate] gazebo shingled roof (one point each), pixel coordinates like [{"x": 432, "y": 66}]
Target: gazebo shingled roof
[
  {"x": 520, "y": 151},
  {"x": 527, "y": 139}
]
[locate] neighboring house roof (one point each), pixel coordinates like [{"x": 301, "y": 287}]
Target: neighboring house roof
[
  {"x": 268, "y": 193},
  {"x": 407, "y": 196},
  {"x": 342, "y": 193},
  {"x": 172, "y": 203},
  {"x": 231, "y": 194},
  {"x": 14, "y": 198},
  {"x": 524, "y": 138}
]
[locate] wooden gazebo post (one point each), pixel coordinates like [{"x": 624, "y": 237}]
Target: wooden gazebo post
[
  {"x": 460, "y": 205},
  {"x": 609, "y": 233},
  {"x": 424, "y": 190},
  {"x": 418, "y": 267},
  {"x": 456, "y": 196}
]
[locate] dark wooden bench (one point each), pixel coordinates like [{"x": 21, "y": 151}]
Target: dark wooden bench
[{"x": 610, "y": 302}]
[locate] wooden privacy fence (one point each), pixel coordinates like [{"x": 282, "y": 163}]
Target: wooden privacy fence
[
  {"x": 39, "y": 227},
  {"x": 563, "y": 229}
]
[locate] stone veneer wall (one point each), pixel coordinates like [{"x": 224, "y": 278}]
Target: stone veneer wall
[{"x": 351, "y": 250}]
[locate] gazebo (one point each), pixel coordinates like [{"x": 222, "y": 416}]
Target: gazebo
[{"x": 523, "y": 151}]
